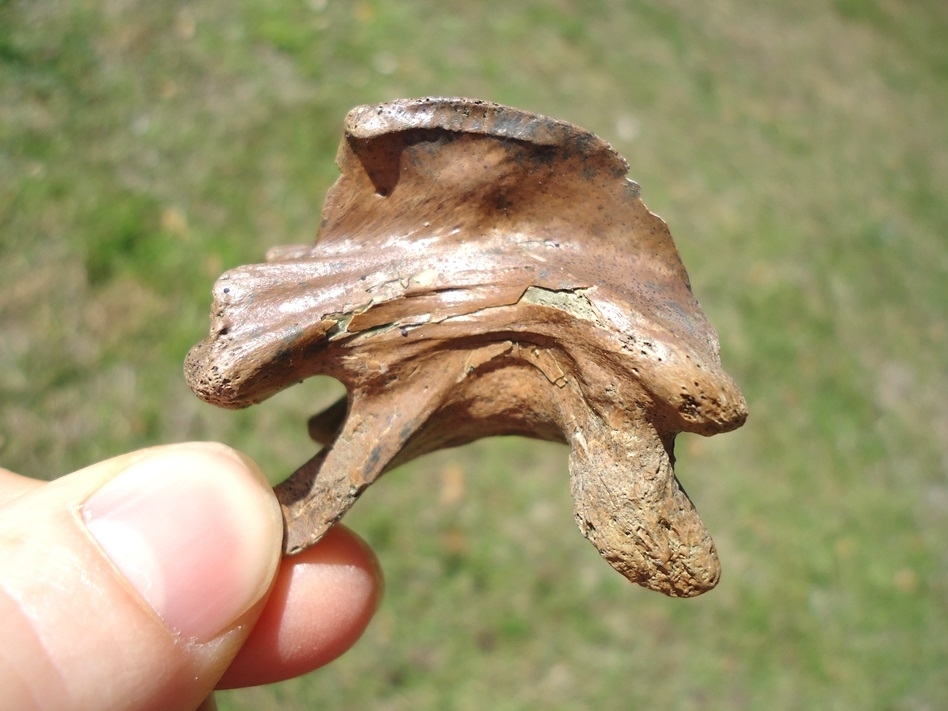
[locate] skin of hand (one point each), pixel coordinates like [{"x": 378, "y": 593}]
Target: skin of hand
[{"x": 148, "y": 580}]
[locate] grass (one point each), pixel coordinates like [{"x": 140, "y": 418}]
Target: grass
[{"x": 797, "y": 151}]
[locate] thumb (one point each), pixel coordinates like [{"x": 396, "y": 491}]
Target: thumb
[{"x": 134, "y": 582}]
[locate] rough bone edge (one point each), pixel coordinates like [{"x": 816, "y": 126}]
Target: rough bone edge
[{"x": 481, "y": 270}]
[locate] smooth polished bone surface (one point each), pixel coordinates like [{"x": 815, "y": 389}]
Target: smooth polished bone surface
[{"x": 481, "y": 270}]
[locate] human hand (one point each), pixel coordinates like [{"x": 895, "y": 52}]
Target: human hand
[{"x": 145, "y": 581}]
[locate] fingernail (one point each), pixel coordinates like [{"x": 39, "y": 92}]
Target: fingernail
[{"x": 193, "y": 531}]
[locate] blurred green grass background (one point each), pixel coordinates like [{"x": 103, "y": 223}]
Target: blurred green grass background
[{"x": 799, "y": 152}]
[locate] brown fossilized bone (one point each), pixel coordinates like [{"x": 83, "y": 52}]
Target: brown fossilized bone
[{"x": 478, "y": 271}]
